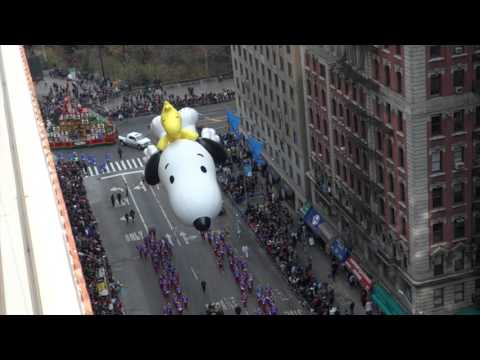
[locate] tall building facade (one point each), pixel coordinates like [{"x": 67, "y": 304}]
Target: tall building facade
[
  {"x": 269, "y": 95},
  {"x": 393, "y": 148}
]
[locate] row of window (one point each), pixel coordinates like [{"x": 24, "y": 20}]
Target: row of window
[
  {"x": 438, "y": 125},
  {"x": 458, "y": 292},
  {"x": 385, "y": 79},
  {"x": 437, "y": 162},
  {"x": 392, "y": 216},
  {"x": 438, "y": 230},
  {"x": 458, "y": 81},
  {"x": 458, "y": 195}
]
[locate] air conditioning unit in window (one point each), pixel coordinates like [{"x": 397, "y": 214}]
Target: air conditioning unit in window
[
  {"x": 459, "y": 165},
  {"x": 342, "y": 148},
  {"x": 459, "y": 90},
  {"x": 458, "y": 50}
]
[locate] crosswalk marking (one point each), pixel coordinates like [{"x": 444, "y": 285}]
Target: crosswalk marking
[
  {"x": 107, "y": 170},
  {"x": 134, "y": 163},
  {"x": 135, "y": 236},
  {"x": 115, "y": 166},
  {"x": 118, "y": 166},
  {"x": 124, "y": 166},
  {"x": 169, "y": 238},
  {"x": 111, "y": 167},
  {"x": 96, "y": 171},
  {"x": 90, "y": 171},
  {"x": 129, "y": 165}
]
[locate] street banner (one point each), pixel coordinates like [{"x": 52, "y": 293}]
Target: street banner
[
  {"x": 256, "y": 148},
  {"x": 234, "y": 122},
  {"x": 247, "y": 170}
]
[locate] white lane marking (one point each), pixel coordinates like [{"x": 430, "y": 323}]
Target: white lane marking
[
  {"x": 140, "y": 162},
  {"x": 246, "y": 312},
  {"x": 140, "y": 234},
  {"x": 129, "y": 165},
  {"x": 127, "y": 237},
  {"x": 134, "y": 163},
  {"x": 126, "y": 173},
  {"x": 124, "y": 166},
  {"x": 90, "y": 172},
  {"x": 164, "y": 213},
  {"x": 194, "y": 274},
  {"x": 112, "y": 167},
  {"x": 107, "y": 170},
  {"x": 169, "y": 238},
  {"x": 158, "y": 187},
  {"x": 178, "y": 241},
  {"x": 118, "y": 166},
  {"x": 96, "y": 170},
  {"x": 135, "y": 203}
]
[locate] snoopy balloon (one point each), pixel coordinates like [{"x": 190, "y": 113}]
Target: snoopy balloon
[{"x": 186, "y": 165}]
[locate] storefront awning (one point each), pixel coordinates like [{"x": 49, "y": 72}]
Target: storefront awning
[
  {"x": 385, "y": 301},
  {"x": 362, "y": 278},
  {"x": 468, "y": 311},
  {"x": 319, "y": 226}
]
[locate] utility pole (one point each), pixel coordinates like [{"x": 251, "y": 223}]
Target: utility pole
[
  {"x": 100, "y": 54},
  {"x": 205, "y": 51}
]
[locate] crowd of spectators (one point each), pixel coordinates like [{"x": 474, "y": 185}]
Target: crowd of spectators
[
  {"x": 102, "y": 288},
  {"x": 277, "y": 231}
]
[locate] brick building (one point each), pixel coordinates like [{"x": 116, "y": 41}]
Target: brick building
[{"x": 393, "y": 152}]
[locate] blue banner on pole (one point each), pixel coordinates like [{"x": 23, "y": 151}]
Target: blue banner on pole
[
  {"x": 247, "y": 170},
  {"x": 234, "y": 122},
  {"x": 256, "y": 148},
  {"x": 339, "y": 250}
]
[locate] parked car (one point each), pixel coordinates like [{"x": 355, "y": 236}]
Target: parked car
[{"x": 135, "y": 139}]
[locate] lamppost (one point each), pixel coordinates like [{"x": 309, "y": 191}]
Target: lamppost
[{"x": 100, "y": 55}]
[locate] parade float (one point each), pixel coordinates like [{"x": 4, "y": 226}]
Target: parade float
[{"x": 79, "y": 126}]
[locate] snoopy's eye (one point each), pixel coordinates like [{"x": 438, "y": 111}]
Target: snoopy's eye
[
  {"x": 172, "y": 179},
  {"x": 203, "y": 169}
]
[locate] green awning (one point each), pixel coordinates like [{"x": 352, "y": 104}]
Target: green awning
[
  {"x": 386, "y": 302},
  {"x": 468, "y": 311}
]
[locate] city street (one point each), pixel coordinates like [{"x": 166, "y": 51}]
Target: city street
[{"x": 193, "y": 257}]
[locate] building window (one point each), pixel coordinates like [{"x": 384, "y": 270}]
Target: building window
[
  {"x": 380, "y": 174},
  {"x": 392, "y": 216},
  {"x": 340, "y": 110},
  {"x": 325, "y": 127},
  {"x": 398, "y": 49},
  {"x": 363, "y": 130},
  {"x": 458, "y": 77},
  {"x": 388, "y": 110},
  {"x": 400, "y": 121},
  {"x": 459, "y": 228},
  {"x": 355, "y": 123},
  {"x": 390, "y": 148},
  {"x": 459, "y": 263},
  {"x": 381, "y": 206},
  {"x": 334, "y": 107},
  {"x": 342, "y": 140},
  {"x": 354, "y": 93},
  {"x": 357, "y": 156},
  {"x": 401, "y": 158},
  {"x": 290, "y": 69},
  {"x": 322, "y": 70},
  {"x": 391, "y": 185},
  {"x": 335, "y": 137},
  {"x": 347, "y": 112},
  {"x": 477, "y": 223},
  {"x": 399, "y": 82},
  {"x": 387, "y": 75},
  {"x": 459, "y": 290},
  {"x": 477, "y": 152},
  {"x": 436, "y": 125},
  {"x": 376, "y": 69},
  {"x": 435, "y": 84},
  {"x": 458, "y": 191},
  {"x": 287, "y": 47},
  {"x": 365, "y": 162},
  {"x": 344, "y": 173},
  {"x": 437, "y": 197},
  {"x": 437, "y": 231},
  {"x": 476, "y": 189},
  {"x": 379, "y": 141},
  {"x": 324, "y": 98},
  {"x": 402, "y": 192},
  {"x": 458, "y": 155},
  {"x": 438, "y": 297},
  {"x": 438, "y": 267},
  {"x": 437, "y": 161},
  {"x": 435, "y": 52},
  {"x": 337, "y": 163},
  {"x": 377, "y": 106},
  {"x": 404, "y": 227},
  {"x": 458, "y": 120},
  {"x": 327, "y": 155}
]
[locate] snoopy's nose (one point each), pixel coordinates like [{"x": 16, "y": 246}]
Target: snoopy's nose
[{"x": 202, "y": 224}]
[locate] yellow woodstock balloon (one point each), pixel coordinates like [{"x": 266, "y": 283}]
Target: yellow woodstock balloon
[{"x": 172, "y": 123}]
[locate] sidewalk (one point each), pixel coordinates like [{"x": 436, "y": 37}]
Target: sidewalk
[{"x": 344, "y": 293}]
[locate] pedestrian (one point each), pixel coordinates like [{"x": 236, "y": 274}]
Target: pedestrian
[
  {"x": 132, "y": 215},
  {"x": 126, "y": 191},
  {"x": 368, "y": 307},
  {"x": 204, "y": 285},
  {"x": 112, "y": 198},
  {"x": 120, "y": 153},
  {"x": 245, "y": 250},
  {"x": 119, "y": 198},
  {"x": 238, "y": 310},
  {"x": 352, "y": 308},
  {"x": 126, "y": 217}
]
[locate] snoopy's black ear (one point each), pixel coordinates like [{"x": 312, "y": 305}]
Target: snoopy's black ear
[
  {"x": 215, "y": 149},
  {"x": 151, "y": 169}
]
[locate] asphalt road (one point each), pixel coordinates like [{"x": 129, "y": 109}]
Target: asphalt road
[{"x": 193, "y": 258}]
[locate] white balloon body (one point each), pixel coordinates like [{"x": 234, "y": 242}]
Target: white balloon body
[{"x": 193, "y": 194}]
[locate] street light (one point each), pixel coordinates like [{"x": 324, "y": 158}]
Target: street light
[{"x": 100, "y": 54}]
